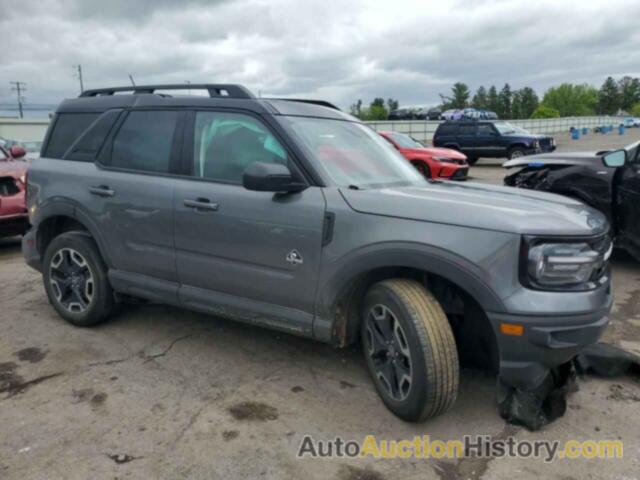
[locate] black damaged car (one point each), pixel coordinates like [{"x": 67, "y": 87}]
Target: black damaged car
[{"x": 608, "y": 180}]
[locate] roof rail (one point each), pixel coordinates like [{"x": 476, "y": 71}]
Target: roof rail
[
  {"x": 214, "y": 89},
  {"x": 322, "y": 103}
]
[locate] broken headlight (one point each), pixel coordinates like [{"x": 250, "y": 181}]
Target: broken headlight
[{"x": 566, "y": 265}]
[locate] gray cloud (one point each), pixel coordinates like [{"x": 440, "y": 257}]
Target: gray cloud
[{"x": 332, "y": 49}]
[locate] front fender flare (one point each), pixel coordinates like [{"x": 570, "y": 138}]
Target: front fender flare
[{"x": 458, "y": 270}]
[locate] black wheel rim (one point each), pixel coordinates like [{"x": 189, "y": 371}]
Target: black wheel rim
[
  {"x": 71, "y": 280},
  {"x": 389, "y": 352}
]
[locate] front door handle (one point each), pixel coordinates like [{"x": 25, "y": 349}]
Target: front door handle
[
  {"x": 102, "y": 191},
  {"x": 201, "y": 204}
]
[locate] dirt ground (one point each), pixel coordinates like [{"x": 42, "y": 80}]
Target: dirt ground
[{"x": 159, "y": 392}]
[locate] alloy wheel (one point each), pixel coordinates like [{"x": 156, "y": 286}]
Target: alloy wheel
[
  {"x": 71, "y": 280},
  {"x": 389, "y": 352}
]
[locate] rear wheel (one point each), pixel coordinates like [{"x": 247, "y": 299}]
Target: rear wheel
[
  {"x": 409, "y": 349},
  {"x": 75, "y": 279}
]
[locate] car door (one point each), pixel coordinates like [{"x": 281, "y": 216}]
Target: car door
[
  {"x": 129, "y": 194},
  {"x": 488, "y": 141},
  {"x": 628, "y": 200},
  {"x": 466, "y": 138},
  {"x": 246, "y": 254}
]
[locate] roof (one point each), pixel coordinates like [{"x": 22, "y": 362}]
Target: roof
[{"x": 220, "y": 95}]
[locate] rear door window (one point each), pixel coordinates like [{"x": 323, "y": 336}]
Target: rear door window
[
  {"x": 447, "y": 130},
  {"x": 466, "y": 130},
  {"x": 66, "y": 130},
  {"x": 144, "y": 141}
]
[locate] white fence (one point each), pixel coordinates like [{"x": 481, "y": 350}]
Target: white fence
[
  {"x": 27, "y": 129},
  {"x": 34, "y": 129},
  {"x": 423, "y": 130}
]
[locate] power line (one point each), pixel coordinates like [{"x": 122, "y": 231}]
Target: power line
[
  {"x": 79, "y": 74},
  {"x": 19, "y": 87}
]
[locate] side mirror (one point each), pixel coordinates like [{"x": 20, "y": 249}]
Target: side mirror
[
  {"x": 17, "y": 152},
  {"x": 615, "y": 159},
  {"x": 270, "y": 177}
]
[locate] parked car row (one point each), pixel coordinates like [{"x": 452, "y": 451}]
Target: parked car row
[
  {"x": 13, "y": 212},
  {"x": 469, "y": 114},
  {"x": 415, "y": 113}
]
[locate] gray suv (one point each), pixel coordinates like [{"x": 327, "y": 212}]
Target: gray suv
[{"x": 292, "y": 215}]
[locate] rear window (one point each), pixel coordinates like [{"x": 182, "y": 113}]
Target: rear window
[
  {"x": 66, "y": 130},
  {"x": 446, "y": 130}
]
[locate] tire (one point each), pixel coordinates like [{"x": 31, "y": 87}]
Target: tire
[
  {"x": 422, "y": 349},
  {"x": 516, "y": 152},
  {"x": 75, "y": 279},
  {"x": 423, "y": 168}
]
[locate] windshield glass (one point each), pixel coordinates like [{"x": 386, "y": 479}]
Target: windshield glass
[
  {"x": 351, "y": 154},
  {"x": 505, "y": 128},
  {"x": 405, "y": 141}
]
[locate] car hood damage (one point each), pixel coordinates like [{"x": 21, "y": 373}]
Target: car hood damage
[
  {"x": 481, "y": 206},
  {"x": 536, "y": 408}
]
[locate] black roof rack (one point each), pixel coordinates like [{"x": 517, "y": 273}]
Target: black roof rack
[
  {"x": 322, "y": 103},
  {"x": 215, "y": 90}
]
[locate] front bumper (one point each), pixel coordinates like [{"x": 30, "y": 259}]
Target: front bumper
[{"x": 547, "y": 342}]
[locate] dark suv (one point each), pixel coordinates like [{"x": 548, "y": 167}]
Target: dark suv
[
  {"x": 490, "y": 139},
  {"x": 292, "y": 215}
]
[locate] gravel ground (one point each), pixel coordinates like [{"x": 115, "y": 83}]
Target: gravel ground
[{"x": 159, "y": 392}]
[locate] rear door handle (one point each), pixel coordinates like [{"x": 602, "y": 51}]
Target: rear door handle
[
  {"x": 102, "y": 191},
  {"x": 201, "y": 204}
]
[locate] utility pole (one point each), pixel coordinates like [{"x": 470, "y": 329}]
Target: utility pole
[
  {"x": 19, "y": 88},
  {"x": 79, "y": 73}
]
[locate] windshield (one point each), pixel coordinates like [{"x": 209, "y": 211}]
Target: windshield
[
  {"x": 405, "y": 141},
  {"x": 351, "y": 154},
  {"x": 505, "y": 128}
]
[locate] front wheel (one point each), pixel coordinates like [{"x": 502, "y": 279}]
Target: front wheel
[
  {"x": 75, "y": 279},
  {"x": 423, "y": 168},
  {"x": 516, "y": 152},
  {"x": 409, "y": 349}
]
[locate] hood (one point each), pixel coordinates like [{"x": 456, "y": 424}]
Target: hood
[
  {"x": 575, "y": 158},
  {"x": 13, "y": 168},
  {"x": 437, "y": 152},
  {"x": 486, "y": 207}
]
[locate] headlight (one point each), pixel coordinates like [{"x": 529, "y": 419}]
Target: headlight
[
  {"x": 579, "y": 265},
  {"x": 23, "y": 179},
  {"x": 445, "y": 159}
]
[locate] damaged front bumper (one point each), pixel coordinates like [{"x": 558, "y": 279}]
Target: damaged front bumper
[{"x": 546, "y": 342}]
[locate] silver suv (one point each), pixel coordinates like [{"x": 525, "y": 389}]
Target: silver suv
[{"x": 292, "y": 215}]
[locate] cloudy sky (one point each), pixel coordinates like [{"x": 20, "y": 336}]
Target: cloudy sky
[{"x": 330, "y": 49}]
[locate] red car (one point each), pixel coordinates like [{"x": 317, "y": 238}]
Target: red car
[
  {"x": 430, "y": 161},
  {"x": 14, "y": 219}
]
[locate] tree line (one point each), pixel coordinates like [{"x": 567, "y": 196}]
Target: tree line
[{"x": 565, "y": 100}]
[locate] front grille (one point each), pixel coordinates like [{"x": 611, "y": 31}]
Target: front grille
[
  {"x": 460, "y": 173},
  {"x": 604, "y": 246}
]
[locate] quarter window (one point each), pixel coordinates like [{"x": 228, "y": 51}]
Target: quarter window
[
  {"x": 144, "y": 141},
  {"x": 66, "y": 130},
  {"x": 225, "y": 144}
]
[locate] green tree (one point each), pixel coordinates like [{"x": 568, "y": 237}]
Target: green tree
[
  {"x": 480, "y": 100},
  {"x": 608, "y": 97},
  {"x": 528, "y": 102},
  {"x": 516, "y": 104},
  {"x": 572, "y": 100},
  {"x": 356, "y": 109},
  {"x": 492, "y": 99},
  {"x": 375, "y": 111},
  {"x": 629, "y": 89},
  {"x": 545, "y": 112},
  {"x": 459, "y": 97},
  {"x": 504, "y": 101},
  {"x": 635, "y": 110},
  {"x": 392, "y": 104}
]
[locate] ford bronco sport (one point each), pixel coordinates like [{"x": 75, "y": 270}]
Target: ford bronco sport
[{"x": 292, "y": 215}]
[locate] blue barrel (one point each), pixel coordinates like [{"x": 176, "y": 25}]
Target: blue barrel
[
  {"x": 621, "y": 129},
  {"x": 610, "y": 128},
  {"x": 585, "y": 131},
  {"x": 575, "y": 134}
]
